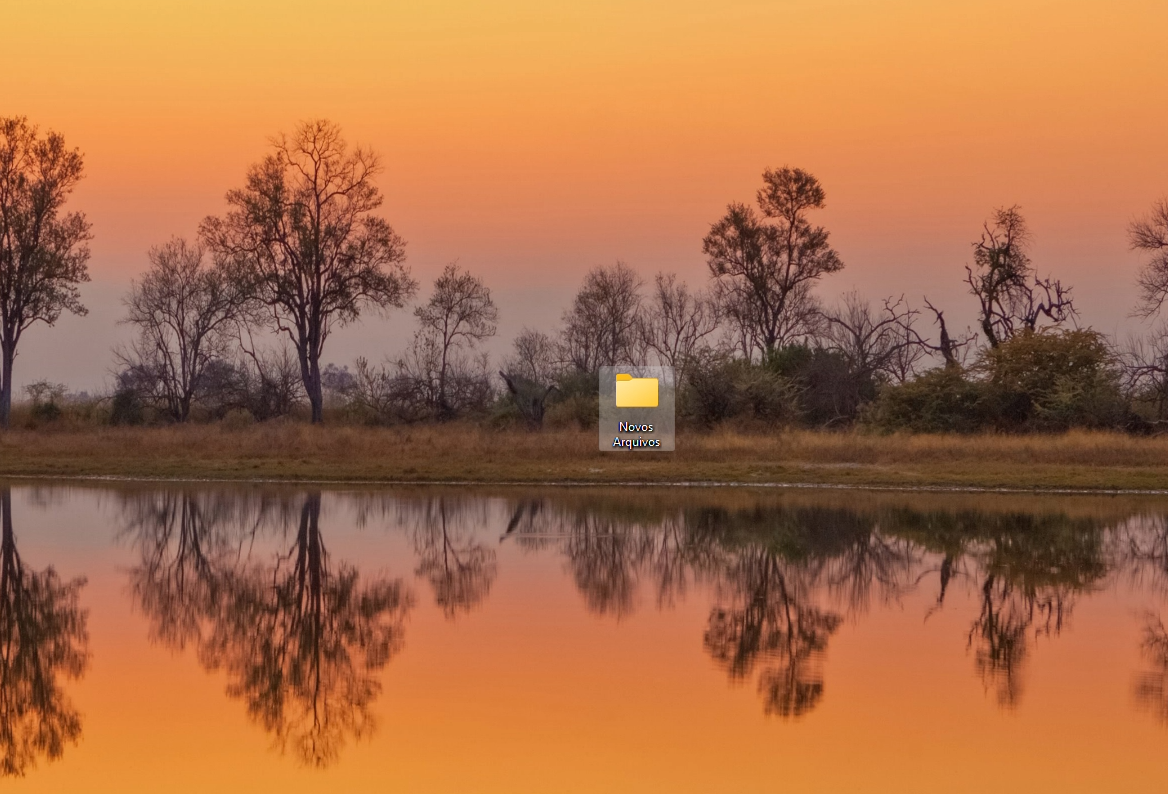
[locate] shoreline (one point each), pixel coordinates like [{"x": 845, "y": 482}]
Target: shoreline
[
  {"x": 470, "y": 455},
  {"x": 113, "y": 479}
]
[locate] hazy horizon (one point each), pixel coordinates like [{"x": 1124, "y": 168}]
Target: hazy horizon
[{"x": 533, "y": 143}]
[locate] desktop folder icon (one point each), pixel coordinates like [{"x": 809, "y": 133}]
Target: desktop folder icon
[{"x": 635, "y": 392}]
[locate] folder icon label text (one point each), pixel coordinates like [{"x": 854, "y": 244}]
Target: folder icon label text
[{"x": 635, "y": 392}]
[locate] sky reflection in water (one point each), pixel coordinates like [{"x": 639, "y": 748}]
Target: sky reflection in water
[{"x": 594, "y": 640}]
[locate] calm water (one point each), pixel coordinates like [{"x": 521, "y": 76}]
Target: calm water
[{"x": 228, "y": 639}]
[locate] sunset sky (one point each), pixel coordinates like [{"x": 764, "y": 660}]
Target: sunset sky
[{"x": 534, "y": 140}]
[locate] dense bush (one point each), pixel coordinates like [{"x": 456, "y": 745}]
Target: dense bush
[
  {"x": 576, "y": 400},
  {"x": 46, "y": 399},
  {"x": 829, "y": 392},
  {"x": 1053, "y": 380},
  {"x": 944, "y": 400},
  {"x": 127, "y": 407},
  {"x": 1037, "y": 381},
  {"x": 717, "y": 389}
]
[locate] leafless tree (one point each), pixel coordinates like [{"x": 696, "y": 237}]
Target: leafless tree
[
  {"x": 766, "y": 622},
  {"x": 1144, "y": 363},
  {"x": 601, "y": 328},
  {"x": 875, "y": 344},
  {"x": 272, "y": 386},
  {"x": 1011, "y": 296},
  {"x": 530, "y": 374},
  {"x": 184, "y": 309},
  {"x": 533, "y": 356},
  {"x": 43, "y": 252},
  {"x": 766, "y": 264},
  {"x": 951, "y": 349},
  {"x": 301, "y": 237},
  {"x": 376, "y": 391},
  {"x": 417, "y": 375},
  {"x": 300, "y": 637},
  {"x": 1151, "y": 234},
  {"x": 459, "y": 314},
  {"x": 677, "y": 322}
]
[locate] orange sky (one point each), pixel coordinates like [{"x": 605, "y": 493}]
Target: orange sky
[{"x": 533, "y": 140}]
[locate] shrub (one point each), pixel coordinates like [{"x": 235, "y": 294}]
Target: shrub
[
  {"x": 829, "y": 392},
  {"x": 1048, "y": 380},
  {"x": 581, "y": 410},
  {"x": 238, "y": 419},
  {"x": 45, "y": 401},
  {"x": 942, "y": 400},
  {"x": 705, "y": 398},
  {"x": 576, "y": 400},
  {"x": 1053, "y": 380},
  {"x": 127, "y": 407},
  {"x": 717, "y": 389}
]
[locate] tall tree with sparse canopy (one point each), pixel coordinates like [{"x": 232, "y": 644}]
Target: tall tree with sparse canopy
[
  {"x": 302, "y": 238},
  {"x": 1011, "y": 297},
  {"x": 185, "y": 309},
  {"x": 460, "y": 312},
  {"x": 601, "y": 329},
  {"x": 1151, "y": 234},
  {"x": 43, "y": 252},
  {"x": 764, "y": 265}
]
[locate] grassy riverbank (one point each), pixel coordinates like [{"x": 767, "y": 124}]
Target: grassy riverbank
[{"x": 473, "y": 454}]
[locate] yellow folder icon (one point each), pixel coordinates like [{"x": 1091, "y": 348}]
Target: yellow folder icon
[{"x": 635, "y": 392}]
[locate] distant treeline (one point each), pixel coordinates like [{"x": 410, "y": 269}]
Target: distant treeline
[{"x": 233, "y": 326}]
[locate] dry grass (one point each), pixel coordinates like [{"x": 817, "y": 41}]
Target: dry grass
[{"x": 474, "y": 454}]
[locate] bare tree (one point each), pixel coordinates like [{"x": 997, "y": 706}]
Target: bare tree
[
  {"x": 951, "y": 349},
  {"x": 875, "y": 344},
  {"x": 601, "y": 328},
  {"x": 1144, "y": 363},
  {"x": 677, "y": 322},
  {"x": 533, "y": 357},
  {"x": 301, "y": 237},
  {"x": 1151, "y": 234},
  {"x": 765, "y": 265},
  {"x": 43, "y": 254},
  {"x": 1011, "y": 297},
  {"x": 271, "y": 385},
  {"x": 184, "y": 309},
  {"x": 459, "y": 314},
  {"x": 530, "y": 373},
  {"x": 417, "y": 375}
]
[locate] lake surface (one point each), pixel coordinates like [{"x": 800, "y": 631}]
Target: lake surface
[{"x": 210, "y": 638}]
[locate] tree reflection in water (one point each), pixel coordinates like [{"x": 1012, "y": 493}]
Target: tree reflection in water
[
  {"x": 301, "y": 640},
  {"x": 1151, "y": 687},
  {"x": 1026, "y": 571},
  {"x": 458, "y": 566},
  {"x": 786, "y": 577},
  {"x": 765, "y": 619},
  {"x": 43, "y": 639},
  {"x": 1033, "y": 570}
]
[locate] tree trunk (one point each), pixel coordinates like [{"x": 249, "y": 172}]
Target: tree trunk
[
  {"x": 310, "y": 375},
  {"x": 313, "y": 386},
  {"x": 7, "y": 538},
  {"x": 444, "y": 411},
  {"x": 7, "y": 354},
  {"x": 9, "y": 559}
]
